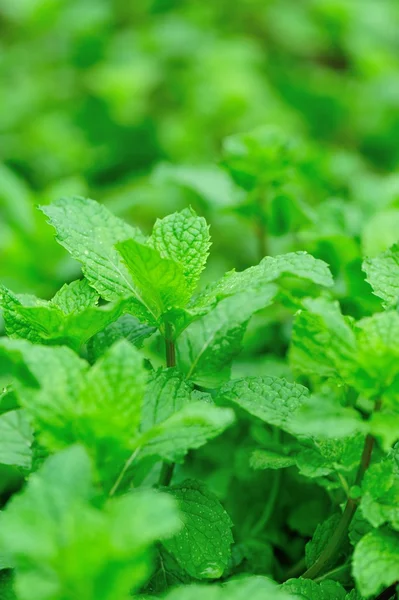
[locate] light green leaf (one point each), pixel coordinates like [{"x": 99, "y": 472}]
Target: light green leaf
[
  {"x": 382, "y": 274},
  {"x": 269, "y": 270},
  {"x": 166, "y": 394},
  {"x": 75, "y": 297},
  {"x": 202, "y": 547},
  {"x": 378, "y": 355},
  {"x": 380, "y": 499},
  {"x": 271, "y": 399},
  {"x": 70, "y": 318},
  {"x": 126, "y": 327},
  {"x": 255, "y": 588},
  {"x": 64, "y": 545},
  {"x": 89, "y": 232},
  {"x": 188, "y": 429},
  {"x": 376, "y": 561},
  {"x": 267, "y": 459},
  {"x": 16, "y": 439},
  {"x": 183, "y": 237},
  {"x": 205, "y": 350},
  {"x": 159, "y": 282},
  {"x": 323, "y": 342},
  {"x": 306, "y": 588}
]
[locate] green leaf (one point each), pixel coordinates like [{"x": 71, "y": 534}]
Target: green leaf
[
  {"x": 70, "y": 318},
  {"x": 166, "y": 394},
  {"x": 205, "y": 350},
  {"x": 16, "y": 439},
  {"x": 64, "y": 545},
  {"x": 89, "y": 232},
  {"x": 75, "y": 297},
  {"x": 183, "y": 237},
  {"x": 380, "y": 498},
  {"x": 6, "y": 586},
  {"x": 126, "y": 327},
  {"x": 188, "y": 429},
  {"x": 323, "y": 342},
  {"x": 255, "y": 588},
  {"x": 269, "y": 270},
  {"x": 271, "y": 399},
  {"x": 383, "y": 275},
  {"x": 267, "y": 459},
  {"x": 159, "y": 282},
  {"x": 306, "y": 588},
  {"x": 202, "y": 547},
  {"x": 376, "y": 561},
  {"x": 320, "y": 538},
  {"x": 100, "y": 407},
  {"x": 378, "y": 355}
]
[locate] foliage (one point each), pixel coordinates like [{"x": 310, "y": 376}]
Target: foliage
[{"x": 199, "y": 369}]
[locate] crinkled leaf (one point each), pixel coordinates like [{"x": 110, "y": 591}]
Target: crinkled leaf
[
  {"x": 306, "y": 588},
  {"x": 160, "y": 282},
  {"x": 89, "y": 231},
  {"x": 208, "y": 346},
  {"x": 166, "y": 393},
  {"x": 376, "y": 561},
  {"x": 189, "y": 428},
  {"x": 380, "y": 498},
  {"x": 183, "y": 237},
  {"x": 126, "y": 327},
  {"x": 271, "y": 399},
  {"x": 70, "y": 318},
  {"x": 202, "y": 547},
  {"x": 323, "y": 342},
  {"x": 255, "y": 588},
  {"x": 383, "y": 275}
]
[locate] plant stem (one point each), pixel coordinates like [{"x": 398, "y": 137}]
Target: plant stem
[
  {"x": 331, "y": 550},
  {"x": 388, "y": 594},
  {"x": 167, "y": 469},
  {"x": 270, "y": 504},
  {"x": 123, "y": 472}
]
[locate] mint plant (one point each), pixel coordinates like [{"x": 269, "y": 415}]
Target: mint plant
[{"x": 137, "y": 464}]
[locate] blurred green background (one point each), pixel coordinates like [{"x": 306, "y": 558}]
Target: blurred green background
[{"x": 276, "y": 119}]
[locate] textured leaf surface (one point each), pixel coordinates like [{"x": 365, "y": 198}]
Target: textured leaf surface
[
  {"x": 267, "y": 459},
  {"x": 183, "y": 237},
  {"x": 255, "y": 588},
  {"x": 383, "y": 275},
  {"x": 166, "y": 394},
  {"x": 320, "y": 539},
  {"x": 376, "y": 561},
  {"x": 323, "y": 342},
  {"x": 89, "y": 231},
  {"x": 16, "y": 439},
  {"x": 272, "y": 399},
  {"x": 160, "y": 282},
  {"x": 270, "y": 269},
  {"x": 190, "y": 428},
  {"x": 310, "y": 590},
  {"x": 202, "y": 547},
  {"x": 380, "y": 498},
  {"x": 70, "y": 318},
  {"x": 208, "y": 346},
  {"x": 126, "y": 327}
]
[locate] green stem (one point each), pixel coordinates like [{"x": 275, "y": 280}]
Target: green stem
[
  {"x": 331, "y": 550},
  {"x": 167, "y": 469},
  {"x": 388, "y": 594},
  {"x": 270, "y": 505}
]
